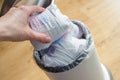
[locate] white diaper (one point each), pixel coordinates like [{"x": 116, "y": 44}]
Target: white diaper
[{"x": 50, "y": 22}]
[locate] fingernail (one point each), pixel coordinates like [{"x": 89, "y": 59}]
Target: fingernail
[
  {"x": 43, "y": 8},
  {"x": 47, "y": 39}
]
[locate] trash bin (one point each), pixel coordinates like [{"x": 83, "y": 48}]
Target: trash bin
[{"x": 84, "y": 66}]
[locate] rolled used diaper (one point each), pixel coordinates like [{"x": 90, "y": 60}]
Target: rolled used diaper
[{"x": 51, "y": 22}]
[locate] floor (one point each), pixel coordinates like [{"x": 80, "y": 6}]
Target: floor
[{"x": 103, "y": 20}]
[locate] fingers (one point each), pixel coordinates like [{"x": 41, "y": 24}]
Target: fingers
[
  {"x": 32, "y": 9},
  {"x": 41, "y": 37},
  {"x": 29, "y": 10}
]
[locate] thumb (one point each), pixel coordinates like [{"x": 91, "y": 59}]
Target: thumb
[{"x": 39, "y": 36}]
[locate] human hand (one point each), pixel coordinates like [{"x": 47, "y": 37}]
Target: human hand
[{"x": 14, "y": 25}]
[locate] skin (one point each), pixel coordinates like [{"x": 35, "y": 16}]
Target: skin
[{"x": 14, "y": 25}]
